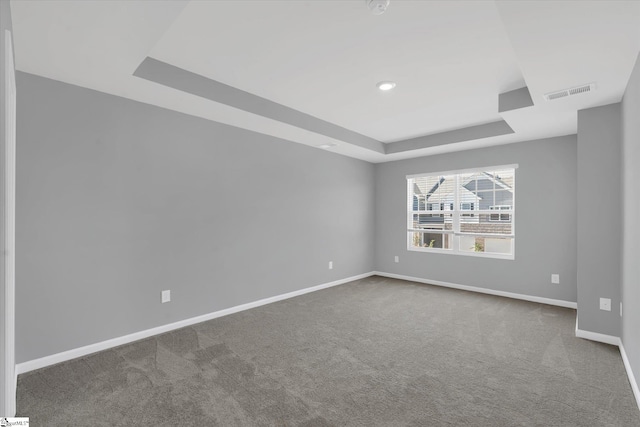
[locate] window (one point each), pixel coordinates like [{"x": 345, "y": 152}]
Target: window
[
  {"x": 482, "y": 224},
  {"x": 501, "y": 216}
]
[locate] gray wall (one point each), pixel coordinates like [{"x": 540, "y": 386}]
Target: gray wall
[
  {"x": 5, "y": 24},
  {"x": 631, "y": 220},
  {"x": 118, "y": 200},
  {"x": 545, "y": 240},
  {"x": 599, "y": 218}
]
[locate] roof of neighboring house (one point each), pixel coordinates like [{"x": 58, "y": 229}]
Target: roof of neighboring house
[
  {"x": 505, "y": 182},
  {"x": 477, "y": 182}
]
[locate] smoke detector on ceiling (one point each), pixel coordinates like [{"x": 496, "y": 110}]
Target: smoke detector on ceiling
[
  {"x": 570, "y": 92},
  {"x": 377, "y": 7}
]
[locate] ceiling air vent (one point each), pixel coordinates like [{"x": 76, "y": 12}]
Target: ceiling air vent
[{"x": 570, "y": 92}]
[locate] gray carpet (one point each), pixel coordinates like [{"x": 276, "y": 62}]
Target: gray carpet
[{"x": 376, "y": 352}]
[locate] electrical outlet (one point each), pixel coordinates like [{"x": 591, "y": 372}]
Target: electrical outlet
[
  {"x": 397, "y": 258},
  {"x": 605, "y": 304},
  {"x": 166, "y": 296},
  {"x": 555, "y": 278},
  {"x": 330, "y": 265}
]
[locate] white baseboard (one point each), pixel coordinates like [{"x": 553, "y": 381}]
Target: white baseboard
[
  {"x": 42, "y": 362},
  {"x": 632, "y": 378},
  {"x": 613, "y": 340},
  {"x": 557, "y": 302},
  {"x": 595, "y": 336},
  {"x": 53, "y": 359}
]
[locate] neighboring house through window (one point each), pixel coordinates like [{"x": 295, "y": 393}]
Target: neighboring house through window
[{"x": 455, "y": 212}]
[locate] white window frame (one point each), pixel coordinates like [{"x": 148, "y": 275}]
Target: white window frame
[{"x": 457, "y": 214}]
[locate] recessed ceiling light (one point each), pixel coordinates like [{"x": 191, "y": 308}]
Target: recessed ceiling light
[
  {"x": 385, "y": 86},
  {"x": 329, "y": 145}
]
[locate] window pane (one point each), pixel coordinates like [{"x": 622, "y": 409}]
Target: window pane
[
  {"x": 498, "y": 223},
  {"x": 485, "y": 199},
  {"x": 471, "y": 243},
  {"x": 482, "y": 203},
  {"x": 418, "y": 202},
  {"x": 467, "y": 192},
  {"x": 504, "y": 178},
  {"x": 503, "y": 199},
  {"x": 440, "y": 195},
  {"x": 433, "y": 240},
  {"x": 441, "y": 221},
  {"x": 493, "y": 245},
  {"x": 468, "y": 182},
  {"x": 423, "y": 190}
]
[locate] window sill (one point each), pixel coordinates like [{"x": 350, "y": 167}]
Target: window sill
[{"x": 510, "y": 257}]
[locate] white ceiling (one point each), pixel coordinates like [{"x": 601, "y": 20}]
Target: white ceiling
[
  {"x": 325, "y": 58},
  {"x": 450, "y": 60}
]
